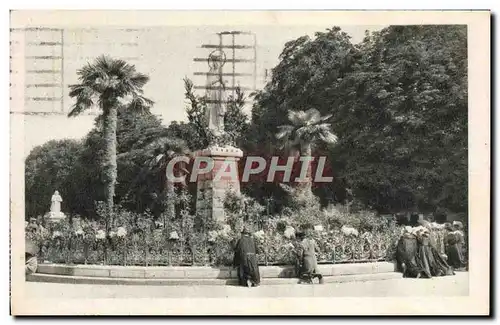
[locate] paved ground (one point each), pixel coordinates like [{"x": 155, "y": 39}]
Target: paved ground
[{"x": 457, "y": 285}]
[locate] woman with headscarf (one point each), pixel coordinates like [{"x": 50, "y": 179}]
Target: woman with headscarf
[
  {"x": 459, "y": 229},
  {"x": 406, "y": 254},
  {"x": 438, "y": 234},
  {"x": 454, "y": 239},
  {"x": 424, "y": 258},
  {"x": 245, "y": 259},
  {"x": 438, "y": 266},
  {"x": 306, "y": 258}
]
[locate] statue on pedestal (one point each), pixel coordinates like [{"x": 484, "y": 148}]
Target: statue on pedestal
[
  {"x": 55, "y": 213},
  {"x": 212, "y": 190}
]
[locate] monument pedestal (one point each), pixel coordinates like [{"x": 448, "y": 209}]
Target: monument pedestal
[
  {"x": 56, "y": 216},
  {"x": 213, "y": 186}
]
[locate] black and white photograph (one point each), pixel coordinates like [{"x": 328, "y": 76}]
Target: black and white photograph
[{"x": 242, "y": 156}]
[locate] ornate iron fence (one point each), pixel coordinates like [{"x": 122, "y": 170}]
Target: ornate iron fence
[{"x": 150, "y": 249}]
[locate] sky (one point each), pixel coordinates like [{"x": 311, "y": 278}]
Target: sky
[{"x": 168, "y": 57}]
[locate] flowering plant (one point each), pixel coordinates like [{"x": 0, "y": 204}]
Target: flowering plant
[
  {"x": 56, "y": 234},
  {"x": 121, "y": 232},
  {"x": 100, "y": 234},
  {"x": 173, "y": 235},
  {"x": 289, "y": 232}
]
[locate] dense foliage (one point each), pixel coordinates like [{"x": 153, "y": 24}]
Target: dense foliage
[{"x": 398, "y": 106}]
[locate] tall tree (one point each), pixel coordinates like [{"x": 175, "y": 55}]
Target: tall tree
[
  {"x": 403, "y": 119},
  {"x": 306, "y": 130},
  {"x": 105, "y": 83},
  {"x": 156, "y": 155}
]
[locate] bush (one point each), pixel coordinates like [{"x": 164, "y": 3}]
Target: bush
[
  {"x": 240, "y": 209},
  {"x": 304, "y": 211},
  {"x": 364, "y": 220}
]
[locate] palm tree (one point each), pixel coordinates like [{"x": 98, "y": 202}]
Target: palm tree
[
  {"x": 107, "y": 83},
  {"x": 163, "y": 150},
  {"x": 304, "y": 131},
  {"x": 157, "y": 154}
]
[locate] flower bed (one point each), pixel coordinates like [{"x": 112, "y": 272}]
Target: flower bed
[{"x": 87, "y": 244}]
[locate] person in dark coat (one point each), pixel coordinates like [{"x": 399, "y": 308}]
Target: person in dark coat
[
  {"x": 245, "y": 260},
  {"x": 307, "y": 265},
  {"x": 428, "y": 258},
  {"x": 438, "y": 265},
  {"x": 406, "y": 254}
]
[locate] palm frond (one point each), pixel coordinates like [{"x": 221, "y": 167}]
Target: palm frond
[
  {"x": 103, "y": 62},
  {"x": 312, "y": 116},
  {"x": 120, "y": 68},
  {"x": 305, "y": 133},
  {"x": 166, "y": 144},
  {"x": 159, "y": 158},
  {"x": 80, "y": 90},
  {"x": 328, "y": 137},
  {"x": 139, "y": 79},
  {"x": 297, "y": 118},
  {"x": 284, "y": 131},
  {"x": 152, "y": 134},
  {"x": 316, "y": 131},
  {"x": 149, "y": 135},
  {"x": 326, "y": 118},
  {"x": 308, "y": 126},
  {"x": 141, "y": 104},
  {"x": 83, "y": 99},
  {"x": 89, "y": 74},
  {"x": 324, "y": 126}
]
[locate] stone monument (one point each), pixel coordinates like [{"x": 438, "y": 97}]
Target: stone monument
[
  {"x": 55, "y": 213},
  {"x": 213, "y": 186}
]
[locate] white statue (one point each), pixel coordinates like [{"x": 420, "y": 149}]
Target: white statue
[
  {"x": 216, "y": 95},
  {"x": 55, "y": 207},
  {"x": 55, "y": 213}
]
